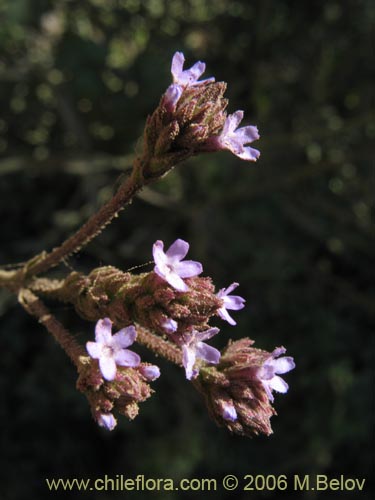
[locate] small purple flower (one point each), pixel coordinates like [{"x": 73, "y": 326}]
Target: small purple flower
[
  {"x": 107, "y": 420},
  {"x": 170, "y": 265},
  {"x": 233, "y": 302},
  {"x": 268, "y": 372},
  {"x": 151, "y": 372},
  {"x": 229, "y": 412},
  {"x": 111, "y": 350},
  {"x": 194, "y": 348},
  {"x": 234, "y": 139},
  {"x": 189, "y": 77}
]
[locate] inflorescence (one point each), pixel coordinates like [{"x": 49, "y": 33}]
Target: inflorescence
[{"x": 168, "y": 309}]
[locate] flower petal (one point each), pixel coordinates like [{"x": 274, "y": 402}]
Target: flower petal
[
  {"x": 278, "y": 384},
  {"x": 107, "y": 420},
  {"x": 124, "y": 337},
  {"x": 224, "y": 314},
  {"x": 247, "y": 134},
  {"x": 94, "y": 349},
  {"x": 177, "y": 65},
  {"x": 151, "y": 372},
  {"x": 207, "y": 334},
  {"x": 249, "y": 154},
  {"x": 233, "y": 121},
  {"x": 108, "y": 367},
  {"x": 229, "y": 412},
  {"x": 171, "y": 97},
  {"x": 170, "y": 325},
  {"x": 226, "y": 291},
  {"x": 207, "y": 353},
  {"x": 188, "y": 268},
  {"x": 126, "y": 358},
  {"x": 178, "y": 250},
  {"x": 283, "y": 365},
  {"x": 174, "y": 280},
  {"x": 158, "y": 253},
  {"x": 188, "y": 360},
  {"x": 103, "y": 331},
  {"x": 234, "y": 302}
]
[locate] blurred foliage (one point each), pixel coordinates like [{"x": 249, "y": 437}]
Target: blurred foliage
[{"x": 77, "y": 80}]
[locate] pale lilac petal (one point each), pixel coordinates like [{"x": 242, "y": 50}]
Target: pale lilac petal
[
  {"x": 170, "y": 325},
  {"x": 234, "y": 302},
  {"x": 207, "y": 353},
  {"x": 266, "y": 372},
  {"x": 249, "y": 154},
  {"x": 224, "y": 314},
  {"x": 229, "y": 413},
  {"x": 174, "y": 280},
  {"x": 151, "y": 372},
  {"x": 278, "y": 384},
  {"x": 283, "y": 365},
  {"x": 177, "y": 65},
  {"x": 268, "y": 392},
  {"x": 171, "y": 97},
  {"x": 278, "y": 351},
  {"x": 107, "y": 420},
  {"x": 124, "y": 337},
  {"x": 248, "y": 134},
  {"x": 103, "y": 331},
  {"x": 226, "y": 291},
  {"x": 126, "y": 358},
  {"x": 233, "y": 121},
  {"x": 188, "y": 360},
  {"x": 192, "y": 74},
  {"x": 108, "y": 367},
  {"x": 94, "y": 349},
  {"x": 158, "y": 253},
  {"x": 207, "y": 334},
  {"x": 178, "y": 250},
  {"x": 188, "y": 268}
]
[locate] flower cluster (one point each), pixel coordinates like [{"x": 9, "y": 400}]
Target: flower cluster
[
  {"x": 113, "y": 377},
  {"x": 173, "y": 302},
  {"x": 191, "y": 119},
  {"x": 238, "y": 390}
]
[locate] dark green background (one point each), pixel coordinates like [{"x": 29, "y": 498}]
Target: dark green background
[{"x": 77, "y": 80}]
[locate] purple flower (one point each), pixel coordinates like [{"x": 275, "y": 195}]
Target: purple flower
[
  {"x": 194, "y": 348},
  {"x": 190, "y": 76},
  {"x": 110, "y": 349},
  {"x": 170, "y": 265},
  {"x": 268, "y": 372},
  {"x": 107, "y": 420},
  {"x": 233, "y": 302},
  {"x": 235, "y": 139},
  {"x": 229, "y": 412}
]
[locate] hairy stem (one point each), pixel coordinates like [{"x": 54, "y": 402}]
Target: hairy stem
[
  {"x": 34, "y": 306},
  {"x": 94, "y": 225},
  {"x": 159, "y": 346}
]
